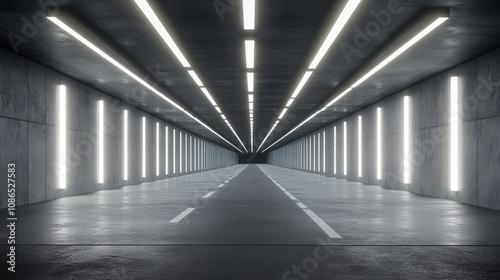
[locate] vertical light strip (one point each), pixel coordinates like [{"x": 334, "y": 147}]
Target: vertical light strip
[
  {"x": 345, "y": 148},
  {"x": 379, "y": 143},
  {"x": 360, "y": 146},
  {"x": 125, "y": 145},
  {"x": 143, "y": 147},
  {"x": 186, "y": 153},
  {"x": 62, "y": 137},
  {"x": 249, "y": 14},
  {"x": 157, "y": 149},
  {"x": 174, "y": 162},
  {"x": 190, "y": 153},
  {"x": 180, "y": 152},
  {"x": 100, "y": 171},
  {"x": 308, "y": 154},
  {"x": 324, "y": 152},
  {"x": 250, "y": 80},
  {"x": 319, "y": 152},
  {"x": 166, "y": 150},
  {"x": 406, "y": 161},
  {"x": 314, "y": 152},
  {"x": 335, "y": 150},
  {"x": 454, "y": 122}
]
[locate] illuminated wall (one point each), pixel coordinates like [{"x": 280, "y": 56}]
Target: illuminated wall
[{"x": 457, "y": 110}]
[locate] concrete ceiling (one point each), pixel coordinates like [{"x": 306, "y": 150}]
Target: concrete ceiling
[{"x": 288, "y": 34}]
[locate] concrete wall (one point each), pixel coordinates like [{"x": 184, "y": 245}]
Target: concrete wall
[
  {"x": 479, "y": 138},
  {"x": 28, "y": 126}
]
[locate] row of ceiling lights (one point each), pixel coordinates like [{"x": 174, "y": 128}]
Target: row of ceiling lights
[
  {"x": 149, "y": 13},
  {"x": 435, "y": 21},
  {"x": 160, "y": 28},
  {"x": 327, "y": 43},
  {"x": 249, "y": 24}
]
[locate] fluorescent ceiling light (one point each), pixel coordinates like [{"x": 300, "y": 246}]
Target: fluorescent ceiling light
[
  {"x": 111, "y": 60},
  {"x": 334, "y": 32},
  {"x": 401, "y": 50},
  {"x": 289, "y": 103},
  {"x": 386, "y": 61},
  {"x": 250, "y": 81},
  {"x": 195, "y": 78},
  {"x": 223, "y": 117},
  {"x": 282, "y": 113},
  {"x": 155, "y": 21},
  {"x": 250, "y": 53},
  {"x": 249, "y": 14},
  {"x": 250, "y": 97},
  {"x": 302, "y": 82},
  {"x": 251, "y": 106},
  {"x": 207, "y": 94},
  {"x": 218, "y": 109}
]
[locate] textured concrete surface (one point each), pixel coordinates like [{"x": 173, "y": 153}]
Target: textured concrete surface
[
  {"x": 479, "y": 99},
  {"x": 249, "y": 229},
  {"x": 29, "y": 125}
]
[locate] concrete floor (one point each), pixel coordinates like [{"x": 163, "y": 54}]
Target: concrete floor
[{"x": 250, "y": 228}]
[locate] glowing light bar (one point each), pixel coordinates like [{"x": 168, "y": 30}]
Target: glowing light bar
[
  {"x": 100, "y": 171},
  {"x": 250, "y": 53},
  {"x": 125, "y": 145},
  {"x": 386, "y": 61},
  {"x": 180, "y": 152},
  {"x": 250, "y": 80},
  {"x": 302, "y": 83},
  {"x": 249, "y": 14},
  {"x": 186, "y": 153},
  {"x": 250, "y": 105},
  {"x": 155, "y": 21},
  {"x": 345, "y": 148},
  {"x": 218, "y": 109},
  {"x": 250, "y": 98},
  {"x": 195, "y": 78},
  {"x": 111, "y": 60},
  {"x": 173, "y": 151},
  {"x": 282, "y": 113},
  {"x": 406, "y": 161},
  {"x": 335, "y": 150},
  {"x": 166, "y": 150},
  {"x": 454, "y": 122},
  {"x": 324, "y": 152},
  {"x": 379, "y": 143},
  {"x": 289, "y": 103},
  {"x": 401, "y": 50},
  {"x": 143, "y": 147},
  {"x": 207, "y": 94},
  {"x": 334, "y": 32},
  {"x": 360, "y": 147},
  {"x": 62, "y": 137},
  {"x": 157, "y": 149}
]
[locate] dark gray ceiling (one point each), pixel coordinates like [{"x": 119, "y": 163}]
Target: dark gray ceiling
[{"x": 288, "y": 34}]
